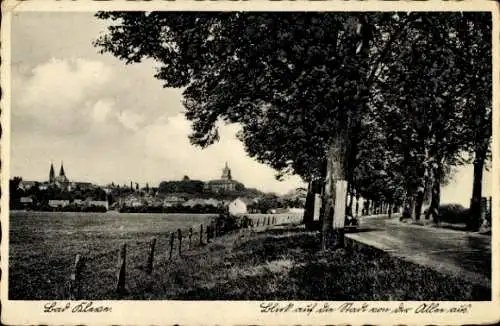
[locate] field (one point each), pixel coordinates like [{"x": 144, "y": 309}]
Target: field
[{"x": 43, "y": 247}]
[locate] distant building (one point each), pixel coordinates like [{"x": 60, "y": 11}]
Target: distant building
[
  {"x": 193, "y": 202},
  {"x": 26, "y": 202},
  {"x": 99, "y": 203},
  {"x": 224, "y": 184},
  {"x": 239, "y": 206},
  {"x": 212, "y": 202},
  {"x": 132, "y": 201},
  {"x": 82, "y": 185},
  {"x": 27, "y": 185},
  {"x": 58, "y": 202},
  {"x": 170, "y": 201}
]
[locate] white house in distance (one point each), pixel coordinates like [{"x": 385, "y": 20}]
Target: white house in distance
[
  {"x": 239, "y": 206},
  {"x": 58, "y": 202},
  {"x": 99, "y": 203}
]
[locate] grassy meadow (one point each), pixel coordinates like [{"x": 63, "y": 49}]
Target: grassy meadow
[
  {"x": 43, "y": 247},
  {"x": 280, "y": 262}
]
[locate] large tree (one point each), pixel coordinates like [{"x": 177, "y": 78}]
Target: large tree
[{"x": 291, "y": 80}]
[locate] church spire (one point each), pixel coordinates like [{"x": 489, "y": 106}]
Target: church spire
[
  {"x": 226, "y": 173},
  {"x": 61, "y": 172},
  {"x": 52, "y": 174}
]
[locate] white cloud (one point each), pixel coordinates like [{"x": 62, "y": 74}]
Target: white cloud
[
  {"x": 58, "y": 94},
  {"x": 58, "y": 85},
  {"x": 101, "y": 109},
  {"x": 167, "y": 141},
  {"x": 130, "y": 119}
]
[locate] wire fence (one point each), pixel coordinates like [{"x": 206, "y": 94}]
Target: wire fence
[{"x": 116, "y": 268}]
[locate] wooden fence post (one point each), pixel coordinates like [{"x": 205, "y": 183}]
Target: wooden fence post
[
  {"x": 179, "y": 236},
  {"x": 172, "y": 236},
  {"x": 75, "y": 278},
  {"x": 214, "y": 229},
  {"x": 122, "y": 258},
  {"x": 149, "y": 266},
  {"x": 201, "y": 234},
  {"x": 257, "y": 222},
  {"x": 208, "y": 232},
  {"x": 190, "y": 236},
  {"x": 269, "y": 220}
]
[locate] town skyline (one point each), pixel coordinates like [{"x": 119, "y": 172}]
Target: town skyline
[{"x": 55, "y": 172}]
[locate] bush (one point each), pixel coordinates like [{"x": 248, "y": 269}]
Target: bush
[
  {"x": 453, "y": 213},
  {"x": 226, "y": 222}
]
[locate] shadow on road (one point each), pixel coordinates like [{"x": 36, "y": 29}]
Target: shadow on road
[{"x": 362, "y": 230}]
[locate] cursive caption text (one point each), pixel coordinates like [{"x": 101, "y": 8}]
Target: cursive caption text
[
  {"x": 75, "y": 307},
  {"x": 364, "y": 307}
]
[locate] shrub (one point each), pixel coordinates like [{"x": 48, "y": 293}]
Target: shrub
[
  {"x": 453, "y": 213},
  {"x": 227, "y": 222}
]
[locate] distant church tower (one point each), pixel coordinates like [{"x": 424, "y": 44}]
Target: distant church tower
[
  {"x": 52, "y": 175},
  {"x": 61, "y": 180},
  {"x": 226, "y": 173},
  {"x": 61, "y": 171}
]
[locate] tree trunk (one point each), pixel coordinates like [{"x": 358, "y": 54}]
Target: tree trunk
[
  {"x": 357, "y": 204},
  {"x": 335, "y": 170},
  {"x": 309, "y": 207},
  {"x": 408, "y": 205},
  {"x": 437, "y": 174},
  {"x": 474, "y": 221},
  {"x": 429, "y": 190},
  {"x": 351, "y": 197},
  {"x": 419, "y": 200}
]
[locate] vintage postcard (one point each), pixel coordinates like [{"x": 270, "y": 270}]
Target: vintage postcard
[{"x": 249, "y": 162}]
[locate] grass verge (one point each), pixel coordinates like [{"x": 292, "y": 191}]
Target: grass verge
[{"x": 285, "y": 264}]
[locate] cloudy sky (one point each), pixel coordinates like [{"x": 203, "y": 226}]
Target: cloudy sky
[{"x": 112, "y": 122}]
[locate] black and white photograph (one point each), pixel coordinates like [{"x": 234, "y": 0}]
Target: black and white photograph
[{"x": 249, "y": 155}]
